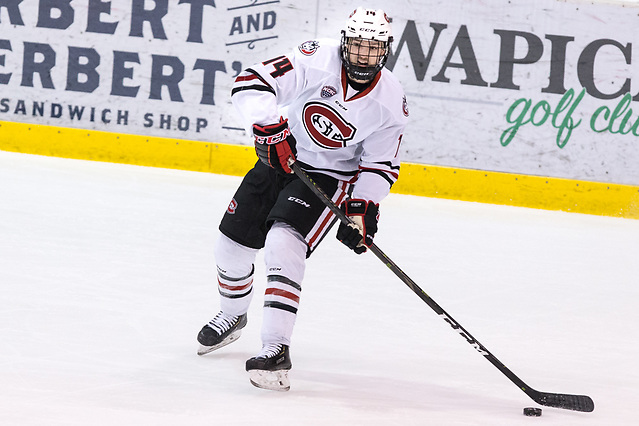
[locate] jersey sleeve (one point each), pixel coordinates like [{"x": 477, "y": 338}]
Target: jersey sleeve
[
  {"x": 379, "y": 166},
  {"x": 260, "y": 90},
  {"x": 380, "y": 160}
]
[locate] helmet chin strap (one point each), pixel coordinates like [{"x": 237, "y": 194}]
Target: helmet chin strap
[{"x": 358, "y": 80}]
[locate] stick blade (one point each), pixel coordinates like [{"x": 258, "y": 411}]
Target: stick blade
[{"x": 569, "y": 402}]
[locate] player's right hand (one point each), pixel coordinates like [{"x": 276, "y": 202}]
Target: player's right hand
[
  {"x": 359, "y": 234},
  {"x": 275, "y": 145}
]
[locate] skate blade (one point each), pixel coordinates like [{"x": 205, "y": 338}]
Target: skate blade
[
  {"x": 203, "y": 350},
  {"x": 272, "y": 380}
]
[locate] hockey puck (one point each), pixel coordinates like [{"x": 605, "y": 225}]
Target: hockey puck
[{"x": 532, "y": 412}]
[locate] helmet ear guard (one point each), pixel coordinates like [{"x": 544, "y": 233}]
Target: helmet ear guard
[{"x": 365, "y": 24}]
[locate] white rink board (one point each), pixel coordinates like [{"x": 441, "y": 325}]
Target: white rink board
[{"x": 140, "y": 71}]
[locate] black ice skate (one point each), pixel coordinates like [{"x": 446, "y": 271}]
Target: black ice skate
[
  {"x": 269, "y": 369},
  {"x": 220, "y": 331}
]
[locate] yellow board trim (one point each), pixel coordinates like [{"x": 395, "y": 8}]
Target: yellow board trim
[
  {"x": 537, "y": 192},
  {"x": 416, "y": 179}
]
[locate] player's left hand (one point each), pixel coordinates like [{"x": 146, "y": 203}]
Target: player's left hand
[
  {"x": 275, "y": 145},
  {"x": 359, "y": 235}
]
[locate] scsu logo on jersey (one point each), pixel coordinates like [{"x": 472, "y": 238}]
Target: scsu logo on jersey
[
  {"x": 309, "y": 47},
  {"x": 326, "y": 127},
  {"x": 232, "y": 206}
]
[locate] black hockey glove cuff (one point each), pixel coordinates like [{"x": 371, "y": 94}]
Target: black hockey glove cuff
[
  {"x": 365, "y": 215},
  {"x": 275, "y": 145}
]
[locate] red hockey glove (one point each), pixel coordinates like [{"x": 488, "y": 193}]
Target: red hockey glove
[
  {"x": 365, "y": 215},
  {"x": 274, "y": 145}
]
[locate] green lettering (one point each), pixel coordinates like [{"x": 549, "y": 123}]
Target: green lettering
[
  {"x": 508, "y": 134},
  {"x": 567, "y": 123},
  {"x": 595, "y": 116}
]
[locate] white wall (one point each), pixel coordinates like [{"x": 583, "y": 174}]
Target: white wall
[{"x": 459, "y": 97}]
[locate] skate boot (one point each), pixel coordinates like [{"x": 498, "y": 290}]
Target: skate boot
[
  {"x": 269, "y": 369},
  {"x": 220, "y": 331}
]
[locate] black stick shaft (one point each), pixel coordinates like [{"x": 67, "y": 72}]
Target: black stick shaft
[{"x": 567, "y": 401}]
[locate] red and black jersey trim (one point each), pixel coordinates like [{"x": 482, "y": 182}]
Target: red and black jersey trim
[
  {"x": 364, "y": 92},
  {"x": 389, "y": 172},
  {"x": 347, "y": 175},
  {"x": 253, "y": 77},
  {"x": 390, "y": 175}
]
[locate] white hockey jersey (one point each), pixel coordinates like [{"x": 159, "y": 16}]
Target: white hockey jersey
[{"x": 350, "y": 135}]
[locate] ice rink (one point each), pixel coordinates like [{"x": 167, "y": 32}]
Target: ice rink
[{"x": 107, "y": 274}]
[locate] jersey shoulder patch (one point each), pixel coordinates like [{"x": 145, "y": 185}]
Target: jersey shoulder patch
[{"x": 309, "y": 47}]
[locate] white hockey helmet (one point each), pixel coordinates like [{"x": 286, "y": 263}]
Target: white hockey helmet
[{"x": 366, "y": 24}]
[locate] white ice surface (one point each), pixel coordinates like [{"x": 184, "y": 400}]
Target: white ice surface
[{"x": 107, "y": 274}]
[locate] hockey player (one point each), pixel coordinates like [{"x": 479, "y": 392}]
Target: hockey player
[{"x": 346, "y": 115}]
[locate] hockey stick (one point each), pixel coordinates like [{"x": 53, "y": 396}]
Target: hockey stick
[{"x": 557, "y": 400}]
